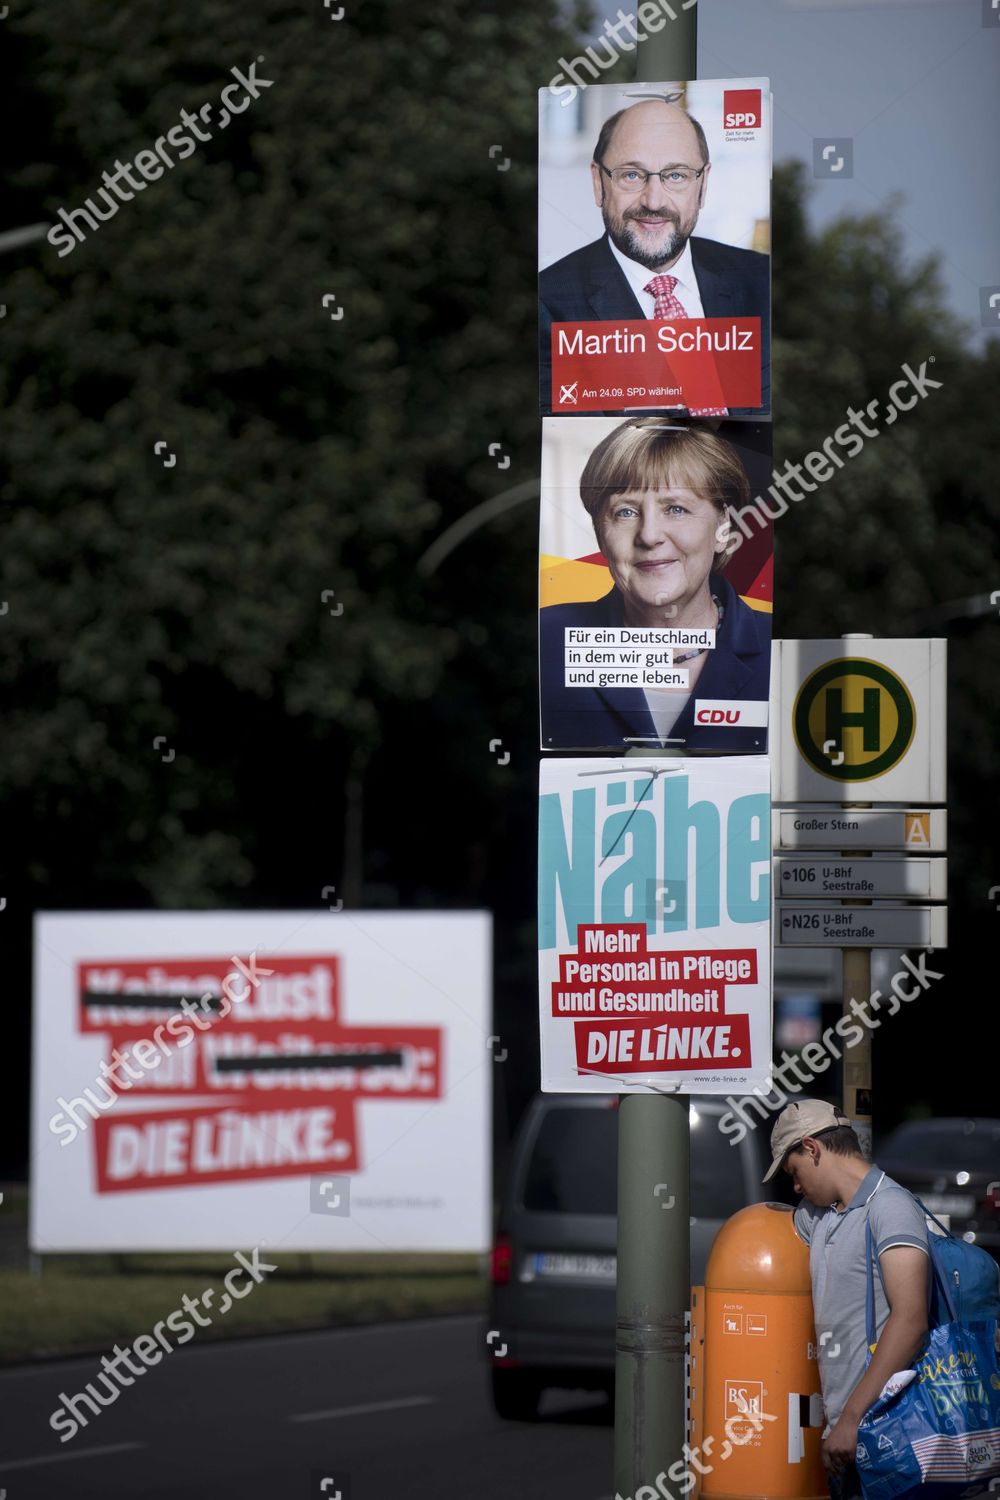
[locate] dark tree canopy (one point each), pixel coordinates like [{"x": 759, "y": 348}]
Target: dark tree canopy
[{"x": 318, "y": 454}]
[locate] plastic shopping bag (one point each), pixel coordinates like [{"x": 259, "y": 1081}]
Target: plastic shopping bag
[{"x": 940, "y": 1434}]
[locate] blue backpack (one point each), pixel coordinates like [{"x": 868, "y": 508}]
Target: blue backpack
[
  {"x": 965, "y": 1279},
  {"x": 939, "y": 1437},
  {"x": 966, "y": 1286}
]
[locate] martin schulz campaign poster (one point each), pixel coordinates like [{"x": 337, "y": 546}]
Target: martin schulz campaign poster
[
  {"x": 654, "y": 230},
  {"x": 654, "y": 908},
  {"x": 655, "y": 585}
]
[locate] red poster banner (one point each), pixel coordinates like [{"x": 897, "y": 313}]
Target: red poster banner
[
  {"x": 610, "y": 1047},
  {"x": 227, "y": 1143},
  {"x": 256, "y": 1072},
  {"x": 697, "y": 363}
]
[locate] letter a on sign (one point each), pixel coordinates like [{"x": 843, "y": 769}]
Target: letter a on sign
[{"x": 916, "y": 829}]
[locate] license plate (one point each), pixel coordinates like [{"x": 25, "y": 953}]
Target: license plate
[
  {"x": 578, "y": 1267},
  {"x": 959, "y": 1205}
]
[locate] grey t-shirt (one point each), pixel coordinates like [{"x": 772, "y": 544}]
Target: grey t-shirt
[{"x": 839, "y": 1276}]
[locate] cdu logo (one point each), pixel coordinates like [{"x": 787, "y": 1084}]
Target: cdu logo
[{"x": 853, "y": 719}]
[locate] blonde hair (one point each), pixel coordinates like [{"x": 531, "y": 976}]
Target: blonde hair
[{"x": 645, "y": 453}]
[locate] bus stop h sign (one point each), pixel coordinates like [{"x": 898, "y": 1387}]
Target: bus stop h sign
[{"x": 859, "y": 720}]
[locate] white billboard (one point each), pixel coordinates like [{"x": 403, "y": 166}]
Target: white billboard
[{"x": 315, "y": 1081}]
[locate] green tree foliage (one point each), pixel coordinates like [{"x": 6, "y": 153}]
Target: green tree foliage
[
  {"x": 313, "y": 453},
  {"x": 907, "y": 526},
  {"x": 317, "y": 454},
  {"x": 882, "y": 541}
]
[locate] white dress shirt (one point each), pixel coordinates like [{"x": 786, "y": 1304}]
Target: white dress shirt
[
  {"x": 665, "y": 709},
  {"x": 686, "y": 290}
]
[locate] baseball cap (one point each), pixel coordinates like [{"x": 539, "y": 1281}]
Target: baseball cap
[{"x": 796, "y": 1121}]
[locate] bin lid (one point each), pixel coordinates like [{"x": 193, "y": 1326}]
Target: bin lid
[{"x": 758, "y": 1250}]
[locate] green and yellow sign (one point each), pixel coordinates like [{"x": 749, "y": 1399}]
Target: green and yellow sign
[{"x": 853, "y": 719}]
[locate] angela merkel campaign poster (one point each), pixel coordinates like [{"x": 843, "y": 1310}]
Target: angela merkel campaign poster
[
  {"x": 654, "y": 229},
  {"x": 655, "y": 585}
]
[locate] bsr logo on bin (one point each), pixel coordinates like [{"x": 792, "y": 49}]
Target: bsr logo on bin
[
  {"x": 744, "y": 1398},
  {"x": 741, "y": 109}
]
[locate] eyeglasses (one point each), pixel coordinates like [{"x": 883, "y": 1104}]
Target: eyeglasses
[{"x": 634, "y": 179}]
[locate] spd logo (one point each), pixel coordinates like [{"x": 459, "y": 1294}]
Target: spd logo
[
  {"x": 853, "y": 719},
  {"x": 741, "y": 109}
]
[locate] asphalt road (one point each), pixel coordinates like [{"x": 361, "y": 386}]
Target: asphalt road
[{"x": 398, "y": 1409}]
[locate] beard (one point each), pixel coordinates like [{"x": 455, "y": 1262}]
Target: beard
[{"x": 627, "y": 239}]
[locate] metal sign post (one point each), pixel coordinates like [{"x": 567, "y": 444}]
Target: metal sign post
[
  {"x": 654, "y": 1152},
  {"x": 856, "y": 1083},
  {"x": 672, "y": 52}
]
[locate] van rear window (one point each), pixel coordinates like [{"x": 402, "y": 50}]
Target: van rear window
[
  {"x": 574, "y": 1166},
  {"x": 717, "y": 1188}
]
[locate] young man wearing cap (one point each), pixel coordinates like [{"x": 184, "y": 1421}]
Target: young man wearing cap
[{"x": 842, "y": 1193}]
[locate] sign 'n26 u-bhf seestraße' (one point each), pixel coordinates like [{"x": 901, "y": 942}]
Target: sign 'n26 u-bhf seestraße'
[{"x": 654, "y": 904}]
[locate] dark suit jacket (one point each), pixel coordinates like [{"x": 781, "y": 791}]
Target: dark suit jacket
[
  {"x": 590, "y": 286},
  {"x": 590, "y": 718}
]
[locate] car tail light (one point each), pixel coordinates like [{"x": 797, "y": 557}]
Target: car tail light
[
  {"x": 993, "y": 1197},
  {"x": 501, "y": 1260}
]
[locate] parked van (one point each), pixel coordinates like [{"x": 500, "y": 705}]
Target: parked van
[{"x": 552, "y": 1310}]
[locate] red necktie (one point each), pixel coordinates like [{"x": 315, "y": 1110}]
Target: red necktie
[{"x": 666, "y": 305}]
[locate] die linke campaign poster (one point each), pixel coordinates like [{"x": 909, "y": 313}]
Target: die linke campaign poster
[
  {"x": 655, "y": 584},
  {"x": 315, "y": 1080},
  {"x": 654, "y": 900},
  {"x": 654, "y": 237}
]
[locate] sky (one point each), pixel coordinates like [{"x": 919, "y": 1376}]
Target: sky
[{"x": 914, "y": 84}]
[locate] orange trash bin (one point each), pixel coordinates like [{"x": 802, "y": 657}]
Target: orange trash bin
[{"x": 756, "y": 1416}]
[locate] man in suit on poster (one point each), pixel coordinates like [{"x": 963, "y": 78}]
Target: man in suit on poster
[{"x": 650, "y": 174}]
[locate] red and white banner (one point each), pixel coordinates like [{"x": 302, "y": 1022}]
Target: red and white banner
[
  {"x": 698, "y": 363},
  {"x": 180, "y": 1097},
  {"x": 271, "y": 1118},
  {"x": 654, "y": 906}
]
